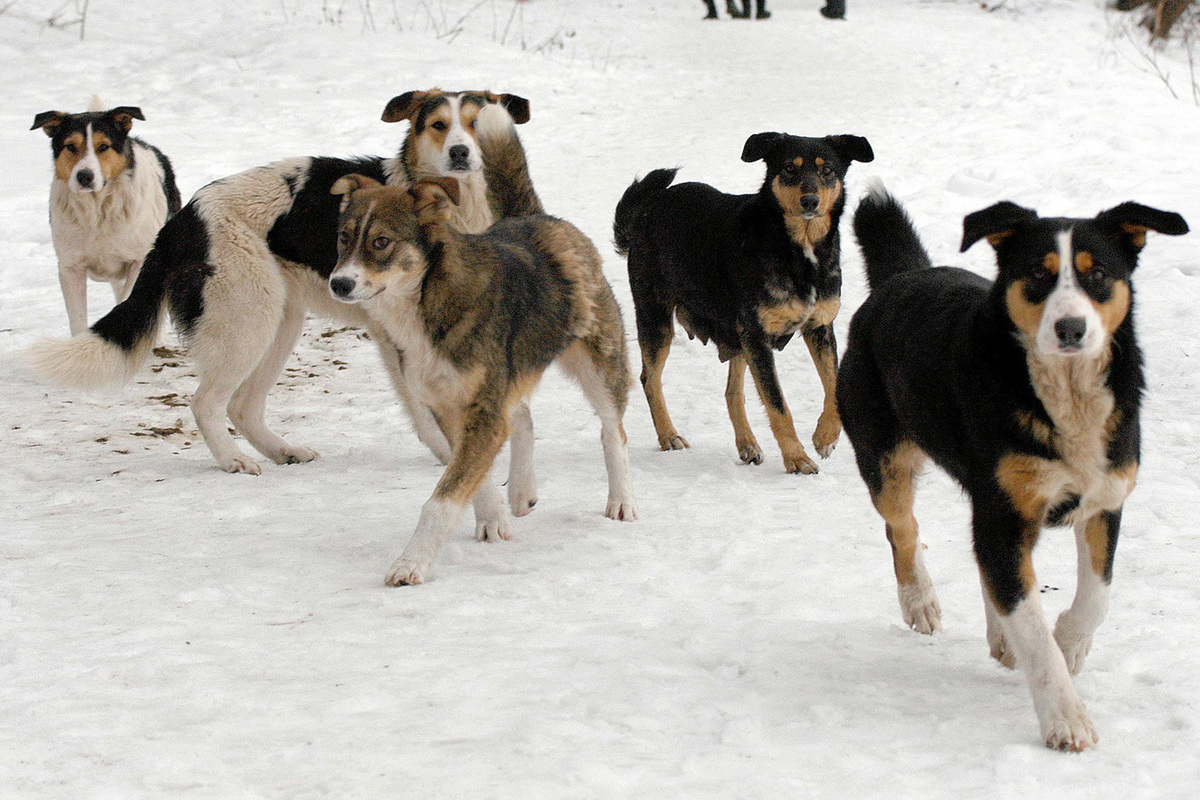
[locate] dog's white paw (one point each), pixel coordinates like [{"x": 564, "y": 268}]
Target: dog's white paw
[
  {"x": 1070, "y": 729},
  {"x": 405, "y": 573},
  {"x": 999, "y": 649},
  {"x": 920, "y": 607},
  {"x": 491, "y": 530},
  {"x": 242, "y": 463},
  {"x": 521, "y": 499},
  {"x": 623, "y": 510},
  {"x": 295, "y": 454},
  {"x": 1075, "y": 647}
]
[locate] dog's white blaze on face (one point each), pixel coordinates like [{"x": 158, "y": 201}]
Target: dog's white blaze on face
[
  {"x": 1069, "y": 301},
  {"x": 88, "y": 162}
]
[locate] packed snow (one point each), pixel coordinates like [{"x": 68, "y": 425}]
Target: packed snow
[{"x": 170, "y": 630}]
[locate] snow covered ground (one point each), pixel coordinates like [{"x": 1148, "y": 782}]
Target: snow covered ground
[{"x": 168, "y": 630}]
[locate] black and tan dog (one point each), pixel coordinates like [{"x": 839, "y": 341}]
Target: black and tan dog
[
  {"x": 1026, "y": 391},
  {"x": 747, "y": 272},
  {"x": 243, "y": 264},
  {"x": 110, "y": 195},
  {"x": 479, "y": 319}
]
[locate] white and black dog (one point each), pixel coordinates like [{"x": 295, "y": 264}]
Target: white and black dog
[
  {"x": 110, "y": 195},
  {"x": 242, "y": 264}
]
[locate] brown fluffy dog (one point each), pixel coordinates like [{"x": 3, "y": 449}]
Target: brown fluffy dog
[{"x": 479, "y": 318}]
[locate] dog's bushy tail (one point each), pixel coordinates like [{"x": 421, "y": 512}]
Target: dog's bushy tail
[
  {"x": 510, "y": 189},
  {"x": 886, "y": 236},
  {"x": 113, "y": 350},
  {"x": 634, "y": 202}
]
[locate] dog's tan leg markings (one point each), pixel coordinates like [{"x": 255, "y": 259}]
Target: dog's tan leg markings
[
  {"x": 1095, "y": 540},
  {"x": 602, "y": 369},
  {"x": 653, "y": 362},
  {"x": 822, "y": 346},
  {"x": 735, "y": 401},
  {"x": 762, "y": 369},
  {"x": 1064, "y": 721},
  {"x": 485, "y": 428},
  {"x": 894, "y": 502},
  {"x": 247, "y": 407},
  {"x": 522, "y": 481}
]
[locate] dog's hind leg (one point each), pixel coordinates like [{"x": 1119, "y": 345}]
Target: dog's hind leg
[
  {"x": 1096, "y": 541},
  {"x": 893, "y": 490},
  {"x": 655, "y": 333},
  {"x": 522, "y": 482},
  {"x": 247, "y": 406},
  {"x": 735, "y": 401},
  {"x": 766, "y": 380},
  {"x": 600, "y": 366},
  {"x": 822, "y": 346},
  {"x": 485, "y": 428}
]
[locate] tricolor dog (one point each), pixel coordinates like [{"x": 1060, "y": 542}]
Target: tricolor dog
[
  {"x": 110, "y": 194},
  {"x": 748, "y": 272},
  {"x": 242, "y": 265},
  {"x": 1026, "y": 391},
  {"x": 480, "y": 318}
]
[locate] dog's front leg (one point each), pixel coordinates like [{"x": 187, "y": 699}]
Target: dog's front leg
[
  {"x": 822, "y": 346},
  {"x": 762, "y": 367},
  {"x": 484, "y": 431},
  {"x": 1004, "y": 540},
  {"x": 73, "y": 280},
  {"x": 1096, "y": 541}
]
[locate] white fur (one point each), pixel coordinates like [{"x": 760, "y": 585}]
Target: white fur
[
  {"x": 1064, "y": 721},
  {"x": 1069, "y": 300},
  {"x": 438, "y": 518},
  {"x": 1077, "y": 624},
  {"x": 104, "y": 234}
]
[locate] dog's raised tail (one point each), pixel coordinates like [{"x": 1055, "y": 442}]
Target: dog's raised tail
[
  {"x": 111, "y": 351},
  {"x": 510, "y": 189},
  {"x": 886, "y": 235},
  {"x": 634, "y": 202}
]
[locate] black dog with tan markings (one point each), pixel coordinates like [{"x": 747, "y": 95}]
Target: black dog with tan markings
[
  {"x": 479, "y": 318},
  {"x": 1026, "y": 391},
  {"x": 747, "y": 272}
]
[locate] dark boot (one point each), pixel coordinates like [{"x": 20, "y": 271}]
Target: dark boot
[
  {"x": 712, "y": 9},
  {"x": 744, "y": 13},
  {"x": 760, "y": 9},
  {"x": 834, "y": 9}
]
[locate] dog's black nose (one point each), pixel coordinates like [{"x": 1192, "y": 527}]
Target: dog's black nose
[
  {"x": 1070, "y": 331},
  {"x": 342, "y": 287},
  {"x": 459, "y": 154},
  {"x": 84, "y": 178},
  {"x": 809, "y": 203}
]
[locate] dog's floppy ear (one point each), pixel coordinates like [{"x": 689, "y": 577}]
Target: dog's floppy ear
[
  {"x": 995, "y": 222},
  {"x": 49, "y": 121},
  {"x": 403, "y": 106},
  {"x": 852, "y": 148},
  {"x": 1134, "y": 219},
  {"x": 516, "y": 106},
  {"x": 435, "y": 190},
  {"x": 125, "y": 115},
  {"x": 759, "y": 144},
  {"x": 348, "y": 184}
]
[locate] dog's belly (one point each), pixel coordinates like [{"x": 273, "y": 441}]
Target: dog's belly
[{"x": 786, "y": 317}]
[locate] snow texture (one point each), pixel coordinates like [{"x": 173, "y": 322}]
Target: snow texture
[{"x": 170, "y": 630}]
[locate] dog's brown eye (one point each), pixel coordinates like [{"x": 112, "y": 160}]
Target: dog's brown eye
[
  {"x": 438, "y": 126},
  {"x": 1039, "y": 273},
  {"x": 1096, "y": 276},
  {"x": 102, "y": 148},
  {"x": 789, "y": 169},
  {"x": 72, "y": 148},
  {"x": 826, "y": 171},
  {"x": 381, "y": 242}
]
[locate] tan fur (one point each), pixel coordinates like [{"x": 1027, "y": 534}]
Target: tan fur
[{"x": 1025, "y": 315}]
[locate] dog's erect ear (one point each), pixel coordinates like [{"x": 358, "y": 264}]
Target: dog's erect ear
[
  {"x": 49, "y": 121},
  {"x": 516, "y": 106},
  {"x": 995, "y": 222},
  {"x": 403, "y": 106},
  {"x": 852, "y": 148},
  {"x": 759, "y": 144},
  {"x": 1134, "y": 219},
  {"x": 125, "y": 115},
  {"x": 348, "y": 184}
]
